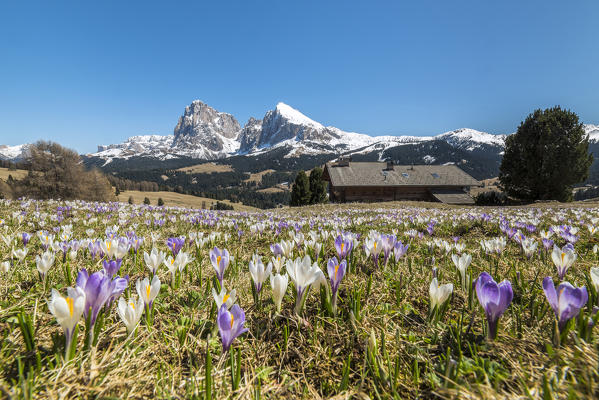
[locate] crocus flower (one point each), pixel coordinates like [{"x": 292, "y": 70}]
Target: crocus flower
[
  {"x": 439, "y": 293},
  {"x": 175, "y": 244},
  {"x": 224, "y": 297},
  {"x": 303, "y": 274},
  {"x": 111, "y": 267},
  {"x": 44, "y": 263},
  {"x": 343, "y": 246},
  {"x": 147, "y": 290},
  {"x": 109, "y": 247},
  {"x": 388, "y": 243},
  {"x": 5, "y": 266},
  {"x": 494, "y": 298},
  {"x": 98, "y": 289},
  {"x": 277, "y": 262},
  {"x": 220, "y": 261},
  {"x": 258, "y": 272},
  {"x": 566, "y": 301},
  {"x": 529, "y": 246},
  {"x": 563, "y": 259},
  {"x": 279, "y": 287},
  {"x": 373, "y": 246},
  {"x": 26, "y": 238},
  {"x": 400, "y": 250},
  {"x": 230, "y": 324},
  {"x": 20, "y": 254},
  {"x": 336, "y": 272},
  {"x": 595, "y": 279},
  {"x": 68, "y": 311},
  {"x": 130, "y": 312},
  {"x": 462, "y": 262},
  {"x": 154, "y": 259}
]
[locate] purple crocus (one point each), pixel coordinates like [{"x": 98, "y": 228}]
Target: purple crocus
[
  {"x": 400, "y": 250},
  {"x": 175, "y": 244},
  {"x": 336, "y": 272},
  {"x": 343, "y": 246},
  {"x": 276, "y": 249},
  {"x": 566, "y": 301},
  {"x": 112, "y": 267},
  {"x": 495, "y": 299},
  {"x": 230, "y": 324},
  {"x": 26, "y": 238},
  {"x": 98, "y": 289},
  {"x": 220, "y": 261}
]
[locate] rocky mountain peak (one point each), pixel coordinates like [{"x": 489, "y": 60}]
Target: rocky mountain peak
[{"x": 204, "y": 130}]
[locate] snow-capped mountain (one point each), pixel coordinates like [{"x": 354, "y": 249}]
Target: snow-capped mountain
[
  {"x": 205, "y": 133},
  {"x": 13, "y": 153}
]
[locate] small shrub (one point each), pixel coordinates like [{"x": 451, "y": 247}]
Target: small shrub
[
  {"x": 491, "y": 198},
  {"x": 146, "y": 201}
]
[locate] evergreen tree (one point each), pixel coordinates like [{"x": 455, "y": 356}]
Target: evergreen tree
[
  {"x": 160, "y": 202},
  {"x": 130, "y": 200},
  {"x": 146, "y": 201},
  {"x": 546, "y": 156},
  {"x": 300, "y": 192},
  {"x": 318, "y": 191}
]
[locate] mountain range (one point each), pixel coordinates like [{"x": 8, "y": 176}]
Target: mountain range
[
  {"x": 207, "y": 134},
  {"x": 285, "y": 134}
]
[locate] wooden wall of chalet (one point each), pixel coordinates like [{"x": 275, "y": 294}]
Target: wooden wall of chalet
[{"x": 377, "y": 193}]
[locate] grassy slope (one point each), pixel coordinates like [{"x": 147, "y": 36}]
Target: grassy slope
[
  {"x": 177, "y": 199},
  {"x": 167, "y": 361}
]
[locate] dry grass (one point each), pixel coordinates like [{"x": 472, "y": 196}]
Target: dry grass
[
  {"x": 257, "y": 176},
  {"x": 207, "y": 168},
  {"x": 178, "y": 200},
  {"x": 286, "y": 356},
  {"x": 17, "y": 174}
]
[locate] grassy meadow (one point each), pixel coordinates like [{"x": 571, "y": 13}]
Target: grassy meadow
[{"x": 361, "y": 328}]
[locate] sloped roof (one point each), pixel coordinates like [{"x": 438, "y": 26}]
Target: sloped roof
[
  {"x": 377, "y": 174},
  {"x": 454, "y": 196}
]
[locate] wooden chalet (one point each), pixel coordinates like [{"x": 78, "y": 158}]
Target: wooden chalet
[{"x": 383, "y": 181}]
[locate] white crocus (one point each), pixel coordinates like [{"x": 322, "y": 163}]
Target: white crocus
[
  {"x": 303, "y": 274},
  {"x": 563, "y": 259},
  {"x": 109, "y": 247},
  {"x": 147, "y": 290},
  {"x": 20, "y": 254},
  {"x": 258, "y": 272},
  {"x": 130, "y": 312},
  {"x": 462, "y": 262},
  {"x": 154, "y": 259},
  {"x": 67, "y": 311},
  {"x": 439, "y": 293},
  {"x": 224, "y": 297},
  {"x": 279, "y": 287},
  {"x": 595, "y": 278},
  {"x": 44, "y": 263},
  {"x": 5, "y": 266},
  {"x": 278, "y": 262}
]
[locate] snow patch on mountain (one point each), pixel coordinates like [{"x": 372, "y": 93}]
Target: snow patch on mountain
[{"x": 13, "y": 153}]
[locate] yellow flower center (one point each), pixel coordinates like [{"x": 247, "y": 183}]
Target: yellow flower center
[
  {"x": 336, "y": 269},
  {"x": 232, "y": 319},
  {"x": 218, "y": 260},
  {"x": 342, "y": 244},
  {"x": 225, "y": 298},
  {"x": 148, "y": 290},
  {"x": 132, "y": 305},
  {"x": 375, "y": 245},
  {"x": 70, "y": 304},
  {"x": 173, "y": 246},
  {"x": 563, "y": 255},
  {"x": 108, "y": 246}
]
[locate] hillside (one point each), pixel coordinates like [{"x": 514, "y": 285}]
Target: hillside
[{"x": 178, "y": 200}]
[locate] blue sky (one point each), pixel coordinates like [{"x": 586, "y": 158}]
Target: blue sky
[{"x": 88, "y": 73}]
